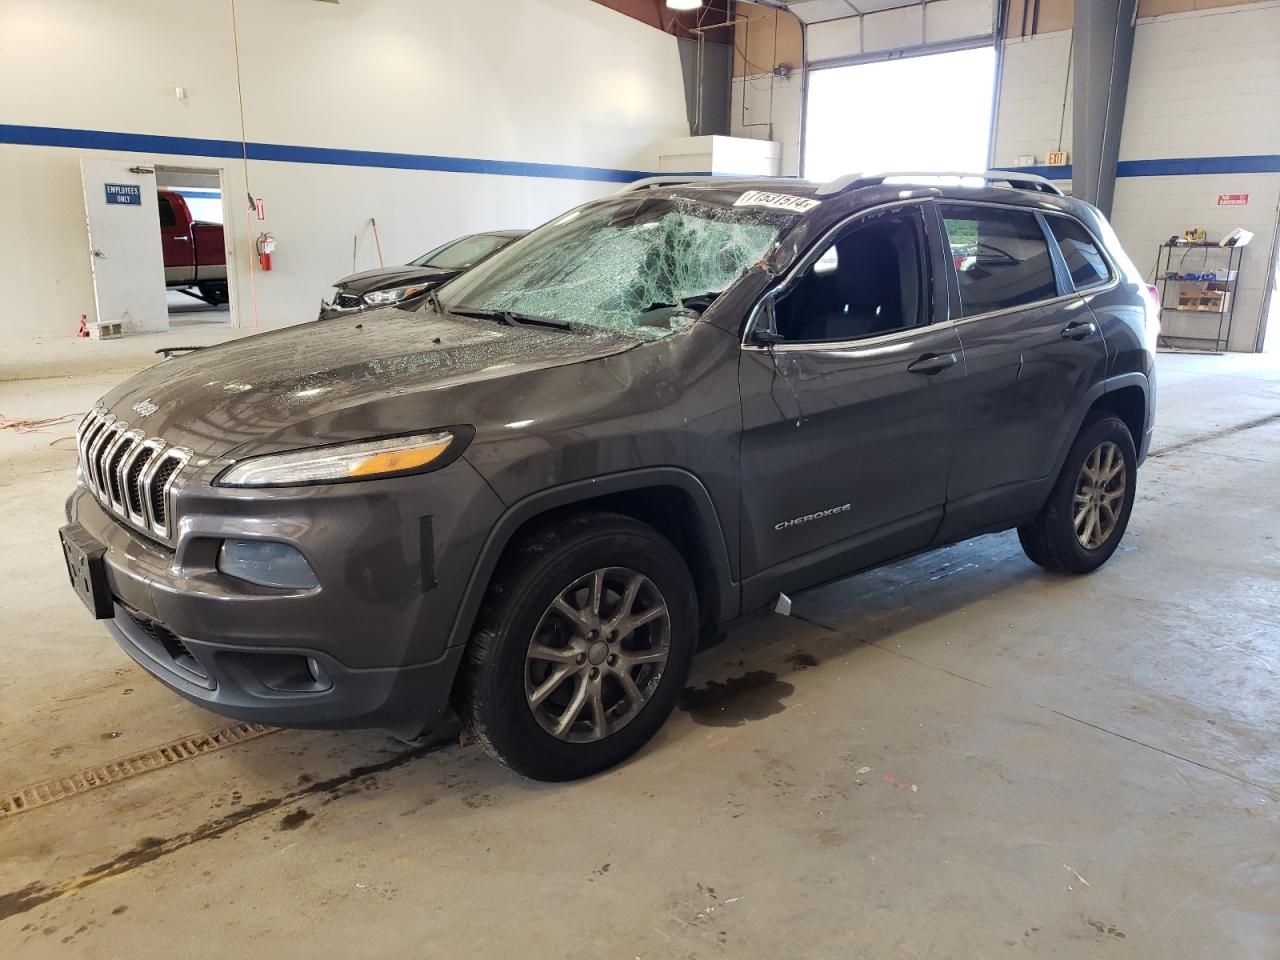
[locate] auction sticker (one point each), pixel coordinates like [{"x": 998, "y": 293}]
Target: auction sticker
[{"x": 779, "y": 201}]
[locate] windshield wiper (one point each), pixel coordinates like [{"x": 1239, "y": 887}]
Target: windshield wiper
[{"x": 510, "y": 318}]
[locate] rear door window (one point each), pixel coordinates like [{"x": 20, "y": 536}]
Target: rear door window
[
  {"x": 1001, "y": 258},
  {"x": 1084, "y": 260}
]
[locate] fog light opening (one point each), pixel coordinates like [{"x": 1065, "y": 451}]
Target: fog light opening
[{"x": 266, "y": 563}]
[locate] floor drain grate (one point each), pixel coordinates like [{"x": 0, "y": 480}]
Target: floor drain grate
[{"x": 62, "y": 788}]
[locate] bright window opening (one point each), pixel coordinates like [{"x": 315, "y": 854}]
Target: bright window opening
[{"x": 916, "y": 113}]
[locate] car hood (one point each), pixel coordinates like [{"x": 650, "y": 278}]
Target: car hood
[
  {"x": 385, "y": 277},
  {"x": 382, "y": 372}
]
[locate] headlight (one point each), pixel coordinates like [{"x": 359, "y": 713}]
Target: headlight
[
  {"x": 348, "y": 461},
  {"x": 379, "y": 298}
]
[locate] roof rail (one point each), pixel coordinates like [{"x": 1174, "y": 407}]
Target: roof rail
[
  {"x": 676, "y": 179},
  {"x": 1019, "y": 181},
  {"x": 665, "y": 180}
]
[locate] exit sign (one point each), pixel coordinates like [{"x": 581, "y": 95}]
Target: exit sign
[
  {"x": 1056, "y": 158},
  {"x": 1233, "y": 199}
]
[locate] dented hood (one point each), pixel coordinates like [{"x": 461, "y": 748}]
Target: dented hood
[{"x": 381, "y": 372}]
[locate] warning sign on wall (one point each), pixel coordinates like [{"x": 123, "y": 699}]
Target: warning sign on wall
[{"x": 1232, "y": 199}]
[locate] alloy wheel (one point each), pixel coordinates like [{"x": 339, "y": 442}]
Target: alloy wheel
[
  {"x": 597, "y": 654},
  {"x": 1099, "y": 496}
]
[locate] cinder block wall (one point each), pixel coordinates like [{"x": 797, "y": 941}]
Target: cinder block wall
[{"x": 1205, "y": 85}]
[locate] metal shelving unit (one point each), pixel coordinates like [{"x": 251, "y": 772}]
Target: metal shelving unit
[{"x": 1199, "y": 259}]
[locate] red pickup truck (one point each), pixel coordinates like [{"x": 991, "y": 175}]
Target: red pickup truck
[{"x": 195, "y": 258}]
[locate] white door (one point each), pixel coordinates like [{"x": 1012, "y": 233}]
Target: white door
[{"x": 124, "y": 245}]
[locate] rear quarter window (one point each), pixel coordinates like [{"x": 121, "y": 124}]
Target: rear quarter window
[{"x": 1085, "y": 261}]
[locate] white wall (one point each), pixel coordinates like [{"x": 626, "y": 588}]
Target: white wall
[
  {"x": 765, "y": 107},
  {"x": 531, "y": 81}
]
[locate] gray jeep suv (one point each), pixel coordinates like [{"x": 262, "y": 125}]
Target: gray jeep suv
[{"x": 525, "y": 500}]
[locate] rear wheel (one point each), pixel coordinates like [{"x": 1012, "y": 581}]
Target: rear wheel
[
  {"x": 583, "y": 647},
  {"x": 215, "y": 293},
  {"x": 1087, "y": 512}
]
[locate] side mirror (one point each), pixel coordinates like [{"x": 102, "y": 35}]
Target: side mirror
[
  {"x": 764, "y": 331},
  {"x": 765, "y": 338}
]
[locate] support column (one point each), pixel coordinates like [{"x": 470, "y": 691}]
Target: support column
[{"x": 1100, "y": 57}]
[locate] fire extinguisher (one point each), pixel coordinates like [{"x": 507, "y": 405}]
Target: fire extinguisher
[{"x": 266, "y": 246}]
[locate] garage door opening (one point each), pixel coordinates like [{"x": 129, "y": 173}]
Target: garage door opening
[
  {"x": 191, "y": 213},
  {"x": 916, "y": 113}
]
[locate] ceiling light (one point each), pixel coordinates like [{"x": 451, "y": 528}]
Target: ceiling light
[{"x": 684, "y": 4}]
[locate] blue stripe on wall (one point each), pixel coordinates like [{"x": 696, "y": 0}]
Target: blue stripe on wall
[
  {"x": 199, "y": 194},
  {"x": 1181, "y": 167},
  {"x": 231, "y": 149}
]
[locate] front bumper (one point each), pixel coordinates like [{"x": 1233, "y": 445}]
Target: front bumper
[
  {"x": 290, "y": 687},
  {"x": 368, "y": 647}
]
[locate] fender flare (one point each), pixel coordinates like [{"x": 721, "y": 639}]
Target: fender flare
[
  {"x": 710, "y": 532},
  {"x": 1095, "y": 392},
  {"x": 1131, "y": 379}
]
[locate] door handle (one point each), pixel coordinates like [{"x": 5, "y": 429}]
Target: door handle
[
  {"x": 932, "y": 363},
  {"x": 1079, "y": 330},
  {"x": 180, "y": 237}
]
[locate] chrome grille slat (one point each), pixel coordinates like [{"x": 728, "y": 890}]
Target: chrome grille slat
[
  {"x": 96, "y": 444},
  {"x": 128, "y": 487},
  {"x": 124, "y": 468},
  {"x": 110, "y": 466}
]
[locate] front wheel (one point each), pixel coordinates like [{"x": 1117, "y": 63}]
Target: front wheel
[
  {"x": 583, "y": 647},
  {"x": 1088, "y": 509}
]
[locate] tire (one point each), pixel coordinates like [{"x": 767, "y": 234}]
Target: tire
[
  {"x": 554, "y": 569},
  {"x": 1053, "y": 540},
  {"x": 215, "y": 293}
]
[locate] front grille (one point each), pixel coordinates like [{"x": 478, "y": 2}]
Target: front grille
[
  {"x": 134, "y": 476},
  {"x": 347, "y": 300}
]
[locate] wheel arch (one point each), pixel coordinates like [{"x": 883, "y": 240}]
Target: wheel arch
[
  {"x": 1126, "y": 397},
  {"x": 669, "y": 499}
]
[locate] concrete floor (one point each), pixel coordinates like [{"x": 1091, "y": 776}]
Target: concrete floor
[{"x": 958, "y": 756}]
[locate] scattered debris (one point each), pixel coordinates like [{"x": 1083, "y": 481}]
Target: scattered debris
[
  {"x": 292, "y": 821},
  {"x": 863, "y": 770},
  {"x": 23, "y": 425},
  {"x": 1104, "y": 929},
  {"x": 1076, "y": 874}
]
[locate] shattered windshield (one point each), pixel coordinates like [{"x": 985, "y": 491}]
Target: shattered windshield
[{"x": 641, "y": 265}]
